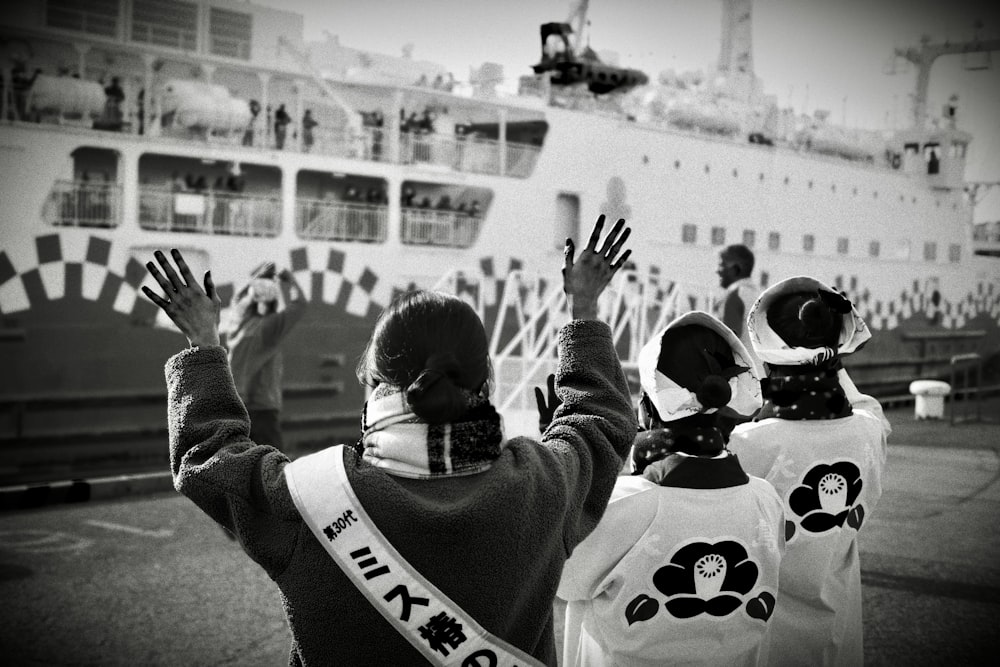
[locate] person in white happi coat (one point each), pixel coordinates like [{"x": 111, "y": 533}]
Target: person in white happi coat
[
  {"x": 683, "y": 566},
  {"x": 822, "y": 445}
]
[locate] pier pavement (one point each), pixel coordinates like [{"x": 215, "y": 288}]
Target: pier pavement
[{"x": 145, "y": 578}]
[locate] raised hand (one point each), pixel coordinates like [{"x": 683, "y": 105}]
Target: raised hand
[
  {"x": 546, "y": 409},
  {"x": 193, "y": 310},
  {"x": 585, "y": 278}
]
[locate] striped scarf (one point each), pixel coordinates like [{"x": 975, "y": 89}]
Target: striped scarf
[{"x": 397, "y": 441}]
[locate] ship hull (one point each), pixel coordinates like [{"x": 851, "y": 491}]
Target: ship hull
[{"x": 77, "y": 334}]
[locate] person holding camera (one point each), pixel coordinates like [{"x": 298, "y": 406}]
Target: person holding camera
[{"x": 254, "y": 336}]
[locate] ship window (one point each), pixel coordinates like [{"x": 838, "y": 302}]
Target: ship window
[
  {"x": 208, "y": 196},
  {"x": 84, "y": 202},
  {"x": 92, "y": 197},
  {"x": 810, "y": 185},
  {"x": 97, "y": 17},
  {"x": 677, "y": 164},
  {"x": 341, "y": 207},
  {"x": 833, "y": 187},
  {"x": 749, "y": 238},
  {"x": 773, "y": 241},
  {"x": 787, "y": 180},
  {"x": 169, "y": 23},
  {"x": 442, "y": 214},
  {"x": 955, "y": 253},
  {"x": 707, "y": 169},
  {"x": 689, "y": 233},
  {"x": 808, "y": 242},
  {"x": 736, "y": 173},
  {"x": 902, "y": 249},
  {"x": 760, "y": 176},
  {"x": 718, "y": 235},
  {"x": 842, "y": 245},
  {"x": 930, "y": 251},
  {"x": 874, "y": 248},
  {"x": 229, "y": 33}
]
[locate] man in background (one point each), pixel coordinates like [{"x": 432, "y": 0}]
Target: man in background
[{"x": 735, "y": 267}]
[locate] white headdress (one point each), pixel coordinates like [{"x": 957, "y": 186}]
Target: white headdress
[
  {"x": 772, "y": 349},
  {"x": 673, "y": 401}
]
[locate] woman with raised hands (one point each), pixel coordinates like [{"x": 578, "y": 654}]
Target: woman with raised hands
[
  {"x": 434, "y": 539},
  {"x": 822, "y": 444}
]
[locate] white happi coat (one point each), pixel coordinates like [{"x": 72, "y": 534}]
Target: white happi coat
[
  {"x": 684, "y": 572},
  {"x": 829, "y": 475}
]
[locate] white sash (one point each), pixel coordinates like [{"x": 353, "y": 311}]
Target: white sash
[{"x": 435, "y": 625}]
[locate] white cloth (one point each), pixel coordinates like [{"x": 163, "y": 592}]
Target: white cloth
[
  {"x": 816, "y": 467},
  {"x": 771, "y": 349},
  {"x": 673, "y": 401},
  {"x": 644, "y": 528}
]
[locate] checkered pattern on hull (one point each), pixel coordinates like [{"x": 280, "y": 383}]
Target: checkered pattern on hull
[{"x": 93, "y": 278}]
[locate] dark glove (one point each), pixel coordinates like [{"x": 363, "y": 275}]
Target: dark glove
[{"x": 546, "y": 409}]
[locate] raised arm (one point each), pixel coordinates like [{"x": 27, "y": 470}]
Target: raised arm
[
  {"x": 593, "y": 428},
  {"x": 213, "y": 461},
  {"x": 277, "y": 326}
]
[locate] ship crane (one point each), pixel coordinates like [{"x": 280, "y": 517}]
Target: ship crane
[
  {"x": 923, "y": 58},
  {"x": 317, "y": 76}
]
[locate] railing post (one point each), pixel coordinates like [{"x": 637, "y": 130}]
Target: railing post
[{"x": 502, "y": 141}]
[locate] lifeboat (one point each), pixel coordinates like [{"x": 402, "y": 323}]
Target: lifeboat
[
  {"x": 706, "y": 118},
  {"x": 67, "y": 96},
  {"x": 197, "y": 104}
]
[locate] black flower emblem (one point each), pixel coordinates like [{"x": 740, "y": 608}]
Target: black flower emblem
[
  {"x": 826, "y": 497},
  {"x": 706, "y": 578}
]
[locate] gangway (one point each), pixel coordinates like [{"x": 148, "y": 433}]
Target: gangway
[{"x": 523, "y": 313}]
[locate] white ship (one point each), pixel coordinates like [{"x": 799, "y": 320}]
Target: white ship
[{"x": 143, "y": 124}]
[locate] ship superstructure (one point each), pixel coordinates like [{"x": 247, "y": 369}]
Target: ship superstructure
[{"x": 167, "y": 123}]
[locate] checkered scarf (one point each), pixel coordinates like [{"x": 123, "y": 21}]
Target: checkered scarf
[{"x": 398, "y": 441}]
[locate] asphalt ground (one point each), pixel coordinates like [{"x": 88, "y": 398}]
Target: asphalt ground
[{"x": 140, "y": 576}]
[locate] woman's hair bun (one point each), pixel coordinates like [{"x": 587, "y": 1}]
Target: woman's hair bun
[
  {"x": 433, "y": 395},
  {"x": 815, "y": 316},
  {"x": 714, "y": 392}
]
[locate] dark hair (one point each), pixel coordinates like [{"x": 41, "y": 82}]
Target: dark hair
[
  {"x": 808, "y": 319},
  {"x": 432, "y": 345},
  {"x": 700, "y": 360},
  {"x": 742, "y": 256}
]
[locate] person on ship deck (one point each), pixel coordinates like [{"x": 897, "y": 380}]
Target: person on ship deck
[{"x": 467, "y": 541}]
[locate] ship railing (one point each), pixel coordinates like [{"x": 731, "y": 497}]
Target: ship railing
[
  {"x": 322, "y": 219},
  {"x": 80, "y": 203},
  {"x": 468, "y": 154},
  {"x": 162, "y": 209},
  {"x": 529, "y": 313},
  {"x": 521, "y": 159},
  {"x": 453, "y": 229},
  {"x": 365, "y": 143}
]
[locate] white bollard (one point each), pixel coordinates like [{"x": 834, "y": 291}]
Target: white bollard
[{"x": 930, "y": 394}]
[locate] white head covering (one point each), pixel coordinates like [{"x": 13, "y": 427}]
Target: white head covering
[
  {"x": 672, "y": 401},
  {"x": 263, "y": 290},
  {"x": 770, "y": 347}
]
